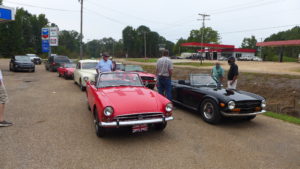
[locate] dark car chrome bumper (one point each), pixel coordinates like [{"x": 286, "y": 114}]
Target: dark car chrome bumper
[
  {"x": 242, "y": 114},
  {"x": 135, "y": 122}
]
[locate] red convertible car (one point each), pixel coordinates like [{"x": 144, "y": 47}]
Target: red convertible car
[
  {"x": 119, "y": 99},
  {"x": 67, "y": 70},
  {"x": 148, "y": 79}
]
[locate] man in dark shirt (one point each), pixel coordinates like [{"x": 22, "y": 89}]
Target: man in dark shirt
[{"x": 232, "y": 73}]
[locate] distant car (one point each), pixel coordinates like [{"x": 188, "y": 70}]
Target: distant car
[
  {"x": 55, "y": 62},
  {"x": 202, "y": 94},
  {"x": 66, "y": 70},
  {"x": 148, "y": 79},
  {"x": 85, "y": 71},
  {"x": 222, "y": 58},
  {"x": 35, "y": 59},
  {"x": 256, "y": 58},
  {"x": 120, "y": 67},
  {"x": 21, "y": 63},
  {"x": 119, "y": 99}
]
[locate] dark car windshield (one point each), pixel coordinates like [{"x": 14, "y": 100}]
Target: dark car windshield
[
  {"x": 202, "y": 80},
  {"x": 22, "y": 58},
  {"x": 88, "y": 65},
  {"x": 69, "y": 65},
  {"x": 133, "y": 68},
  {"x": 118, "y": 79},
  {"x": 62, "y": 60}
]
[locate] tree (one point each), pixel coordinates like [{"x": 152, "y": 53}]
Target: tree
[
  {"x": 209, "y": 35},
  {"x": 249, "y": 43},
  {"x": 1, "y": 2}
]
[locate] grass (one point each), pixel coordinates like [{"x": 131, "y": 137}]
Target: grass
[
  {"x": 147, "y": 60},
  {"x": 283, "y": 117},
  {"x": 285, "y": 59},
  {"x": 197, "y": 64}
]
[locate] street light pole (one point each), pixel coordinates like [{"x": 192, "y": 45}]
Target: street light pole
[{"x": 81, "y": 36}]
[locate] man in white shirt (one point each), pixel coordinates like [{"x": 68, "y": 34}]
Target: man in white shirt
[
  {"x": 164, "y": 70},
  {"x": 3, "y": 100}
]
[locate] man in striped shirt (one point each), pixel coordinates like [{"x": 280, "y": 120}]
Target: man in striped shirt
[{"x": 164, "y": 70}]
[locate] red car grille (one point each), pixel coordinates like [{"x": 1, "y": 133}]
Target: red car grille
[{"x": 139, "y": 116}]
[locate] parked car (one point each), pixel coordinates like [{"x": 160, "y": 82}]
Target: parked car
[
  {"x": 202, "y": 93},
  {"x": 85, "y": 70},
  {"x": 120, "y": 67},
  {"x": 119, "y": 99},
  {"x": 66, "y": 70},
  {"x": 256, "y": 58},
  {"x": 35, "y": 59},
  {"x": 21, "y": 63},
  {"x": 148, "y": 79},
  {"x": 55, "y": 62}
]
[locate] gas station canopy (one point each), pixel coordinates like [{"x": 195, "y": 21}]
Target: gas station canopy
[
  {"x": 279, "y": 43},
  {"x": 208, "y": 45},
  {"x": 6, "y": 14}
]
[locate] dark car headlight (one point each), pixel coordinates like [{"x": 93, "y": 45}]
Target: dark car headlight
[
  {"x": 263, "y": 103},
  {"x": 108, "y": 111},
  {"x": 231, "y": 105}
]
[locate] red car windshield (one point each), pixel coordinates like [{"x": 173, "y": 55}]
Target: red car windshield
[{"x": 118, "y": 79}]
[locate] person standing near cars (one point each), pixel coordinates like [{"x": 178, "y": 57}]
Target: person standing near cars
[
  {"x": 104, "y": 65},
  {"x": 232, "y": 73},
  {"x": 3, "y": 100},
  {"x": 164, "y": 70},
  {"x": 217, "y": 73}
]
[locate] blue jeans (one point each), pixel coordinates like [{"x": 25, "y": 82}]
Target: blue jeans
[{"x": 165, "y": 87}]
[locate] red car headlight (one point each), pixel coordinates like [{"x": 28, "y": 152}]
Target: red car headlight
[
  {"x": 108, "y": 111},
  {"x": 169, "y": 107}
]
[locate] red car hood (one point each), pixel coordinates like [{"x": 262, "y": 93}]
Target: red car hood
[
  {"x": 130, "y": 100},
  {"x": 70, "y": 69}
]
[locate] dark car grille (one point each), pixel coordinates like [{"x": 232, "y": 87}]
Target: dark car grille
[
  {"x": 25, "y": 65},
  {"x": 139, "y": 116},
  {"x": 248, "y": 106},
  {"x": 147, "y": 78}
]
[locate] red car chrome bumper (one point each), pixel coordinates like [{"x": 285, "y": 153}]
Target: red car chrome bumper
[{"x": 135, "y": 122}]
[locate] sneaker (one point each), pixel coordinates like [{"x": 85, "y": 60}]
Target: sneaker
[{"x": 5, "y": 124}]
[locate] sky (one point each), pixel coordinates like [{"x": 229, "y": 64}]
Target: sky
[{"x": 173, "y": 19}]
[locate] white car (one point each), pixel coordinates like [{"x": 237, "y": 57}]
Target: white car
[{"x": 85, "y": 70}]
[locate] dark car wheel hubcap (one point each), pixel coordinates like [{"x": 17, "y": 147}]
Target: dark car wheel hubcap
[{"x": 208, "y": 111}]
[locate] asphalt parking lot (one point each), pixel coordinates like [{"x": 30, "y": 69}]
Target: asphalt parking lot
[{"x": 54, "y": 129}]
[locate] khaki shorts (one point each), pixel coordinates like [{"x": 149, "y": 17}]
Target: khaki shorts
[{"x": 3, "y": 95}]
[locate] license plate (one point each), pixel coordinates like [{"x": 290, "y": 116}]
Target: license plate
[{"x": 139, "y": 128}]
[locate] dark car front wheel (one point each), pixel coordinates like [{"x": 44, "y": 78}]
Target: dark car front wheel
[{"x": 210, "y": 111}]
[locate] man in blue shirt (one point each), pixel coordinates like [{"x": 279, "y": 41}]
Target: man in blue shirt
[{"x": 104, "y": 65}]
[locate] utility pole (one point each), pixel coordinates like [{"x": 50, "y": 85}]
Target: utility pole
[
  {"x": 81, "y": 36},
  {"x": 261, "y": 49},
  {"x": 202, "y": 32},
  {"x": 145, "y": 49}
]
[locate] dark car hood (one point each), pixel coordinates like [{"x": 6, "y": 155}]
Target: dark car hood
[{"x": 235, "y": 95}]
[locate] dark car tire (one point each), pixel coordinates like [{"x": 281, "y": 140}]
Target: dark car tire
[
  {"x": 160, "y": 126},
  {"x": 248, "y": 118},
  {"x": 10, "y": 69},
  {"x": 33, "y": 70},
  {"x": 100, "y": 131},
  {"x": 82, "y": 88},
  {"x": 210, "y": 111},
  {"x": 59, "y": 75},
  {"x": 65, "y": 76}
]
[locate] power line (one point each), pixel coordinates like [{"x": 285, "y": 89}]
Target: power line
[
  {"x": 106, "y": 17},
  {"x": 42, "y": 7},
  {"x": 266, "y": 28}
]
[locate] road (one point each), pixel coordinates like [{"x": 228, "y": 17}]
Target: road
[{"x": 53, "y": 129}]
